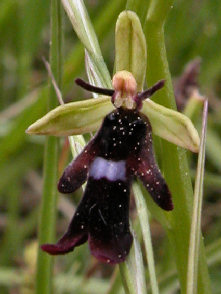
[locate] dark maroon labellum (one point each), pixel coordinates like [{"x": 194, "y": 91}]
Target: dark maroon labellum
[{"x": 120, "y": 152}]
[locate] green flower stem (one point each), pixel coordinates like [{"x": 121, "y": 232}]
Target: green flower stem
[
  {"x": 146, "y": 234},
  {"x": 49, "y": 197},
  {"x": 132, "y": 270},
  {"x": 158, "y": 11},
  {"x": 173, "y": 159},
  {"x": 126, "y": 278},
  {"x": 137, "y": 260},
  {"x": 140, "y": 7}
]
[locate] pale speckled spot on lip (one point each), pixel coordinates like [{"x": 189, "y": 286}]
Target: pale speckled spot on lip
[{"x": 112, "y": 170}]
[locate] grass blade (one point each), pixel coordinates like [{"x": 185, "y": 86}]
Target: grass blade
[
  {"x": 132, "y": 270},
  {"x": 197, "y": 209},
  {"x": 145, "y": 227},
  {"x": 83, "y": 27},
  {"x": 49, "y": 200},
  {"x": 139, "y": 267},
  {"x": 173, "y": 159}
]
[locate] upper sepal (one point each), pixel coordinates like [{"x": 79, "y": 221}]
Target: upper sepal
[{"x": 130, "y": 46}]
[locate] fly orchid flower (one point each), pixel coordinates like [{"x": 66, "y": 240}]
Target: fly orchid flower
[{"x": 119, "y": 152}]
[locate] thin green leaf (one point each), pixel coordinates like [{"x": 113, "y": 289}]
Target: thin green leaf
[
  {"x": 127, "y": 278},
  {"x": 139, "y": 267},
  {"x": 115, "y": 286},
  {"x": 93, "y": 73},
  {"x": 145, "y": 227},
  {"x": 132, "y": 270},
  {"x": 197, "y": 209},
  {"x": 46, "y": 229},
  {"x": 173, "y": 160},
  {"x": 168, "y": 280},
  {"x": 83, "y": 27}
]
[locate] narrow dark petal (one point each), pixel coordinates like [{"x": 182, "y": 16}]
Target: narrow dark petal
[
  {"x": 76, "y": 172},
  {"x": 109, "y": 235},
  {"x": 144, "y": 166},
  {"x": 94, "y": 89},
  {"x": 149, "y": 92},
  {"x": 155, "y": 184}
]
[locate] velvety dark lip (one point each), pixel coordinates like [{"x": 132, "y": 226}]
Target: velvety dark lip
[{"x": 103, "y": 212}]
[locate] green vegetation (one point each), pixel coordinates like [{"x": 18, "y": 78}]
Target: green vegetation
[{"x": 176, "y": 32}]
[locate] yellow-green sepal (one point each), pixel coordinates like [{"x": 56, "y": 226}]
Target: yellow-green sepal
[
  {"x": 172, "y": 125},
  {"x": 81, "y": 117},
  {"x": 73, "y": 118},
  {"x": 130, "y": 46}
]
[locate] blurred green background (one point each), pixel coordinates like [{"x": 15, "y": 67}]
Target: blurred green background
[{"x": 193, "y": 30}]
